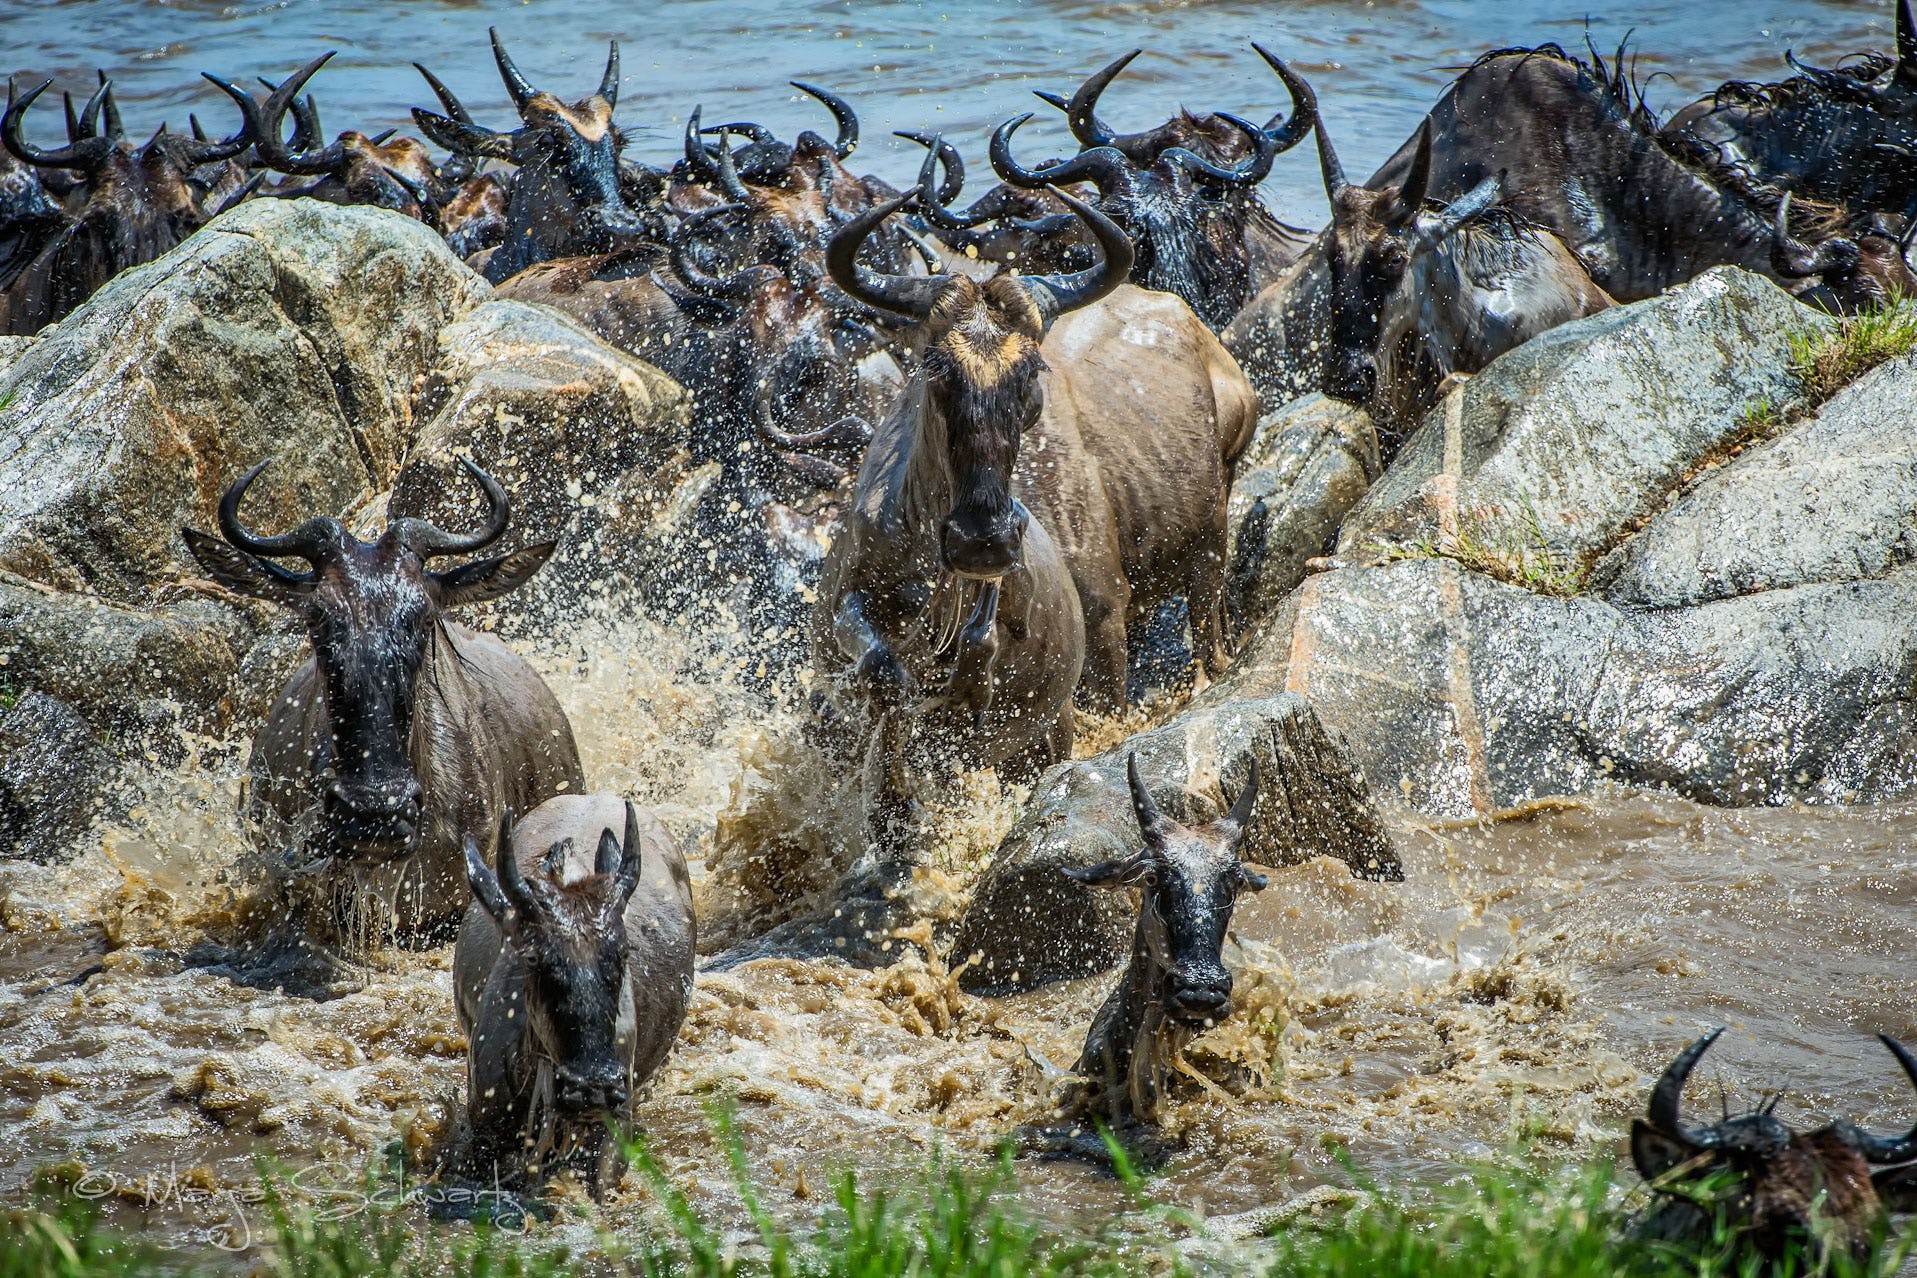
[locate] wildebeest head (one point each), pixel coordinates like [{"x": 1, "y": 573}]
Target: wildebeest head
[
  {"x": 1189, "y": 883},
  {"x": 765, "y": 160},
  {"x": 1186, "y": 214},
  {"x": 1853, "y": 274},
  {"x": 566, "y": 197},
  {"x": 571, "y": 936},
  {"x": 1769, "y": 1186},
  {"x": 981, "y": 369},
  {"x": 371, "y": 610},
  {"x": 1374, "y": 239}
]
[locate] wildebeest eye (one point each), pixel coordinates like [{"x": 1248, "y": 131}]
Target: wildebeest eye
[{"x": 1394, "y": 256}]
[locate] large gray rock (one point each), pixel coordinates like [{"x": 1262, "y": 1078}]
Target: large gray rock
[
  {"x": 52, "y": 764},
  {"x": 1573, "y": 437},
  {"x": 1835, "y": 499},
  {"x": 1028, "y": 923},
  {"x": 285, "y": 327},
  {"x": 1307, "y": 466},
  {"x": 1465, "y": 695}
]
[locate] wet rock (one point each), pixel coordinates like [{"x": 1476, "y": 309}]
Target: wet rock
[
  {"x": 1029, "y": 924},
  {"x": 286, "y": 327},
  {"x": 1835, "y": 499},
  {"x": 52, "y": 766},
  {"x": 1307, "y": 466},
  {"x": 1466, "y": 695},
  {"x": 546, "y": 407},
  {"x": 1573, "y": 437}
]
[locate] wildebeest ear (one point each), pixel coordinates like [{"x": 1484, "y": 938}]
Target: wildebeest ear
[
  {"x": 556, "y": 857},
  {"x": 244, "y": 573},
  {"x": 489, "y": 578},
  {"x": 606, "y": 859},
  {"x": 1463, "y": 209},
  {"x": 1124, "y": 871},
  {"x": 485, "y": 886},
  {"x": 1654, "y": 1153},
  {"x": 1897, "y": 1187}
]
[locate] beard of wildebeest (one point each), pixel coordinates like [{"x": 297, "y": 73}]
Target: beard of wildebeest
[
  {"x": 982, "y": 368},
  {"x": 1768, "y": 1192}
]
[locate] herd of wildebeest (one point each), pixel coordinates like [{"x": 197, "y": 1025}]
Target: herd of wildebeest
[{"x": 1063, "y": 372}]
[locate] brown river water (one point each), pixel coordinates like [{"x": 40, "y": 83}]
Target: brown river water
[{"x": 1527, "y": 978}]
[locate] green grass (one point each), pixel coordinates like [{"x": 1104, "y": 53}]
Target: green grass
[
  {"x": 1507, "y": 546},
  {"x": 1828, "y": 360},
  {"x": 1523, "y": 1221}
]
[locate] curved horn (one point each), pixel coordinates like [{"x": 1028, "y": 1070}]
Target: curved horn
[
  {"x": 1057, "y": 294},
  {"x": 516, "y": 84},
  {"x": 201, "y": 150},
  {"x": 1335, "y": 184},
  {"x": 842, "y": 115},
  {"x": 728, "y": 174},
  {"x": 1234, "y": 821},
  {"x": 757, "y": 134},
  {"x": 945, "y": 153},
  {"x": 1081, "y": 109},
  {"x": 1264, "y": 149},
  {"x": 454, "y": 108},
  {"x": 89, "y": 125},
  {"x": 111, "y": 125},
  {"x": 631, "y": 856},
  {"x": 263, "y": 120},
  {"x": 310, "y": 541},
  {"x": 1153, "y": 824},
  {"x": 1304, "y": 104},
  {"x": 427, "y": 539},
  {"x": 685, "y": 235},
  {"x": 848, "y": 432},
  {"x": 911, "y": 296},
  {"x": 506, "y": 867},
  {"x": 1791, "y": 258},
  {"x": 1662, "y": 1111},
  {"x": 86, "y": 155},
  {"x": 1416, "y": 183},
  {"x": 609, "y": 82},
  {"x": 1102, "y": 166},
  {"x": 1900, "y": 1149}
]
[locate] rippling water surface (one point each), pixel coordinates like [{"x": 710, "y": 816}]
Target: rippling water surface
[{"x": 1527, "y": 976}]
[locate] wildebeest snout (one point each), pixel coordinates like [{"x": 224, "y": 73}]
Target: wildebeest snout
[
  {"x": 983, "y": 544},
  {"x": 1200, "y": 998},
  {"x": 603, "y": 1092},
  {"x": 375, "y": 820},
  {"x": 1351, "y": 376}
]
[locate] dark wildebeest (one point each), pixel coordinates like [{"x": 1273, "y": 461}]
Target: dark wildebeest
[
  {"x": 566, "y": 198},
  {"x": 1128, "y": 465},
  {"x": 1771, "y": 1189},
  {"x": 138, "y": 202},
  {"x": 1411, "y": 296},
  {"x": 1197, "y": 224},
  {"x": 1844, "y": 135},
  {"x": 1175, "y": 985},
  {"x": 1581, "y": 159},
  {"x": 571, "y": 977},
  {"x": 352, "y": 169},
  {"x": 403, "y": 733}
]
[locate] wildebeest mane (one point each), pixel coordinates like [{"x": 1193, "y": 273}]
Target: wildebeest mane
[{"x": 1863, "y": 68}]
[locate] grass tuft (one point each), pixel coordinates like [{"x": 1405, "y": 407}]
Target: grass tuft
[
  {"x": 1506, "y": 546},
  {"x": 1827, "y": 361}
]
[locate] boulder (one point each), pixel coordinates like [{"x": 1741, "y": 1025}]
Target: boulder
[
  {"x": 1028, "y": 924},
  {"x": 52, "y": 765},
  {"x": 1466, "y": 695},
  {"x": 1560, "y": 447},
  {"x": 1308, "y": 464},
  {"x": 1835, "y": 499},
  {"x": 285, "y": 327}
]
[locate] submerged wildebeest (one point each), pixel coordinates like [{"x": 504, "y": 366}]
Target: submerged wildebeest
[
  {"x": 571, "y": 977},
  {"x": 1196, "y": 224},
  {"x": 1843, "y": 135},
  {"x": 566, "y": 198},
  {"x": 402, "y": 733},
  {"x": 1132, "y": 417},
  {"x": 136, "y": 203},
  {"x": 1753, "y": 1181},
  {"x": 1175, "y": 984},
  {"x": 1400, "y": 297},
  {"x": 1580, "y": 157}
]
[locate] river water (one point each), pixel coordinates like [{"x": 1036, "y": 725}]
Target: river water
[{"x": 1526, "y": 979}]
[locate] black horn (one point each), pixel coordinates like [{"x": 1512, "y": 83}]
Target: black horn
[
  {"x": 1264, "y": 149},
  {"x": 1335, "y": 184},
  {"x": 842, "y": 116},
  {"x": 1663, "y": 1111},
  {"x": 516, "y": 84},
  {"x": 911, "y": 296},
  {"x": 1153, "y": 824},
  {"x": 310, "y": 541},
  {"x": 1057, "y": 294},
  {"x": 427, "y": 539},
  {"x": 1411, "y": 195},
  {"x": 85, "y": 155},
  {"x": 1900, "y": 1149},
  {"x": 609, "y": 82},
  {"x": 1102, "y": 166},
  {"x": 1235, "y": 820},
  {"x": 1791, "y": 258},
  {"x": 1304, "y": 104},
  {"x": 1081, "y": 109}
]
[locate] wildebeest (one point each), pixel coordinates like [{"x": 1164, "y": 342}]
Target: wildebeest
[
  {"x": 136, "y": 203},
  {"x": 1197, "y": 224},
  {"x": 566, "y": 198},
  {"x": 1175, "y": 984},
  {"x": 571, "y": 977},
  {"x": 1133, "y": 417},
  {"x": 1769, "y": 1188},
  {"x": 1580, "y": 158},
  {"x": 1843, "y": 135},
  {"x": 1409, "y": 296},
  {"x": 403, "y": 732}
]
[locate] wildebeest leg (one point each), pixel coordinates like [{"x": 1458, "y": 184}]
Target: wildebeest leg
[
  {"x": 1103, "y": 684},
  {"x": 969, "y": 689},
  {"x": 1210, "y": 636}
]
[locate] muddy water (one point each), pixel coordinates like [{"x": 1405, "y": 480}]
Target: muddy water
[
  {"x": 1520, "y": 982},
  {"x": 959, "y": 66}
]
